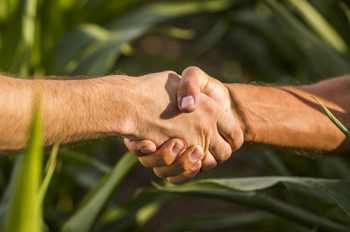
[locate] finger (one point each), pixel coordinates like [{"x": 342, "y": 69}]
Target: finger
[
  {"x": 140, "y": 148},
  {"x": 165, "y": 155},
  {"x": 219, "y": 147},
  {"x": 229, "y": 128},
  {"x": 187, "y": 175},
  {"x": 192, "y": 82},
  {"x": 209, "y": 162},
  {"x": 183, "y": 163}
]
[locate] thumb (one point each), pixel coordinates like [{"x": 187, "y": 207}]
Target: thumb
[{"x": 193, "y": 82}]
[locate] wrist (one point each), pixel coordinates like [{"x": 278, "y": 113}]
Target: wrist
[
  {"x": 241, "y": 109},
  {"x": 115, "y": 104}
]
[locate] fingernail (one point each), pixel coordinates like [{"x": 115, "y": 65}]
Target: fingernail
[
  {"x": 145, "y": 150},
  {"x": 187, "y": 101},
  {"x": 195, "y": 155},
  {"x": 176, "y": 149},
  {"x": 196, "y": 166}
]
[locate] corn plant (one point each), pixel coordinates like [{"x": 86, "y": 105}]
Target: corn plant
[{"x": 275, "y": 41}]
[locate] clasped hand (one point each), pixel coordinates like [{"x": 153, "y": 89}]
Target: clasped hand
[{"x": 195, "y": 128}]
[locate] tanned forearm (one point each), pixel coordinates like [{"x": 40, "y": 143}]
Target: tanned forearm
[
  {"x": 289, "y": 117},
  {"x": 76, "y": 109}
]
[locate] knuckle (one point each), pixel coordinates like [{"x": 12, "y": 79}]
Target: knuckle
[
  {"x": 159, "y": 173},
  {"x": 192, "y": 69},
  {"x": 144, "y": 162},
  {"x": 187, "y": 85},
  {"x": 206, "y": 168},
  {"x": 182, "y": 165},
  {"x": 170, "y": 72},
  {"x": 236, "y": 138},
  {"x": 224, "y": 156},
  {"x": 211, "y": 108},
  {"x": 167, "y": 159},
  {"x": 205, "y": 128}
]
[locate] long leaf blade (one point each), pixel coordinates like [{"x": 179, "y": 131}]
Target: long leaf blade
[
  {"x": 334, "y": 119},
  {"x": 23, "y": 58},
  {"x": 23, "y": 212},
  {"x": 255, "y": 220},
  {"x": 328, "y": 196},
  {"x": 327, "y": 59},
  {"x": 84, "y": 218},
  {"x": 50, "y": 170},
  {"x": 320, "y": 25},
  {"x": 217, "y": 188},
  {"x": 96, "y": 57}
]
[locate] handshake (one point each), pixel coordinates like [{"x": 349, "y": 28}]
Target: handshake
[
  {"x": 178, "y": 125},
  {"x": 185, "y": 124}
]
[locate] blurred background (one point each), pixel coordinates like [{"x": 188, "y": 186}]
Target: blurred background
[{"x": 288, "y": 42}]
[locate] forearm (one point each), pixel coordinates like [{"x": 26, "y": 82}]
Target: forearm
[
  {"x": 289, "y": 117},
  {"x": 76, "y": 109}
]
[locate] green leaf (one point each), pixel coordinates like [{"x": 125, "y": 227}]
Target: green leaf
[
  {"x": 345, "y": 9},
  {"x": 98, "y": 56},
  {"x": 136, "y": 211},
  {"x": 325, "y": 58},
  {"x": 273, "y": 161},
  {"x": 50, "y": 170},
  {"x": 214, "y": 35},
  {"x": 69, "y": 156},
  {"x": 255, "y": 220},
  {"x": 83, "y": 169},
  {"x": 91, "y": 207},
  {"x": 10, "y": 188},
  {"x": 333, "y": 119},
  {"x": 23, "y": 213},
  {"x": 267, "y": 29},
  {"x": 334, "y": 167},
  {"x": 327, "y": 196},
  {"x": 320, "y": 25},
  {"x": 73, "y": 43},
  {"x": 23, "y": 57}
]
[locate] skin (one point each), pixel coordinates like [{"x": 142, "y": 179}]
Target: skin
[
  {"x": 136, "y": 108},
  {"x": 284, "y": 117}
]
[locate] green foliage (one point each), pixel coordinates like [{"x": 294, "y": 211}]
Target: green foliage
[
  {"x": 23, "y": 211},
  {"x": 256, "y": 220},
  {"x": 233, "y": 40},
  {"x": 91, "y": 207},
  {"x": 327, "y": 196},
  {"x": 94, "y": 50},
  {"x": 334, "y": 119},
  {"x": 326, "y": 58},
  {"x": 50, "y": 168}
]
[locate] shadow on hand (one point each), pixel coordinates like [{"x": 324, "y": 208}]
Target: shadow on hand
[
  {"x": 171, "y": 86},
  {"x": 342, "y": 149}
]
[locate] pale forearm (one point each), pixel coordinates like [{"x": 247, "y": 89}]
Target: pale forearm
[
  {"x": 289, "y": 117},
  {"x": 76, "y": 109}
]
